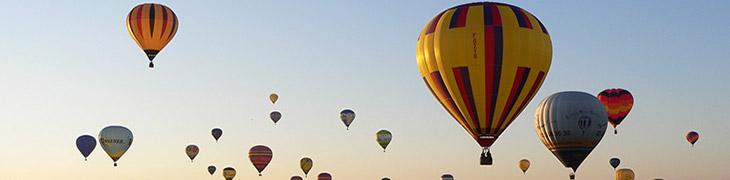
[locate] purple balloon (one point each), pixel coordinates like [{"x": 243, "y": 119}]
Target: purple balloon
[
  {"x": 86, "y": 144},
  {"x": 217, "y": 133}
]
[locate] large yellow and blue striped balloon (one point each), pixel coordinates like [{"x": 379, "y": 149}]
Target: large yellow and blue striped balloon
[
  {"x": 152, "y": 26},
  {"x": 484, "y": 62}
]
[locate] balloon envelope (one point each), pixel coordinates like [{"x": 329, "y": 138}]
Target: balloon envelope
[
  {"x": 347, "y": 116},
  {"x": 296, "y": 178},
  {"x": 447, "y": 177},
  {"x": 229, "y": 173},
  {"x": 624, "y": 174},
  {"x": 273, "y": 97},
  {"x": 192, "y": 151},
  {"x": 618, "y": 103},
  {"x": 524, "y": 165},
  {"x": 571, "y": 124},
  {"x": 484, "y": 62},
  {"x": 692, "y": 137},
  {"x": 217, "y": 133},
  {"x": 385, "y": 178},
  {"x": 152, "y": 26},
  {"x": 324, "y": 176},
  {"x": 260, "y": 157},
  {"x": 275, "y": 116},
  {"x": 115, "y": 140},
  {"x": 86, "y": 144},
  {"x": 306, "y": 165},
  {"x": 614, "y": 162},
  {"x": 383, "y": 137},
  {"x": 211, "y": 169}
]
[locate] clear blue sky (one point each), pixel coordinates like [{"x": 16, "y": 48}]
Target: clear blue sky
[{"x": 69, "y": 68}]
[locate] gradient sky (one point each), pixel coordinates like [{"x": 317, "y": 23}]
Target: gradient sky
[{"x": 70, "y": 68}]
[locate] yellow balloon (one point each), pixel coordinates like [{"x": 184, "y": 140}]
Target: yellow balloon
[
  {"x": 229, "y": 173},
  {"x": 624, "y": 174},
  {"x": 152, "y": 26},
  {"x": 524, "y": 165},
  {"x": 306, "y": 165}
]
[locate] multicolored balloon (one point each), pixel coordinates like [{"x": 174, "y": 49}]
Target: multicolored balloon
[
  {"x": 86, "y": 144},
  {"x": 273, "y": 97},
  {"x": 306, "y": 164},
  {"x": 115, "y": 140},
  {"x": 296, "y": 178},
  {"x": 347, "y": 116},
  {"x": 229, "y": 173},
  {"x": 192, "y": 150},
  {"x": 383, "y": 137},
  {"x": 692, "y": 137},
  {"x": 618, "y": 103},
  {"x": 614, "y": 162},
  {"x": 524, "y": 165},
  {"x": 571, "y": 124},
  {"x": 260, "y": 157},
  {"x": 625, "y": 174},
  {"x": 152, "y": 26},
  {"x": 217, "y": 133},
  {"x": 211, "y": 169},
  {"x": 447, "y": 177},
  {"x": 324, "y": 176},
  {"x": 275, "y": 116},
  {"x": 484, "y": 62}
]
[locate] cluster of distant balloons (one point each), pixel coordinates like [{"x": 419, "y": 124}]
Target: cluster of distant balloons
[{"x": 482, "y": 61}]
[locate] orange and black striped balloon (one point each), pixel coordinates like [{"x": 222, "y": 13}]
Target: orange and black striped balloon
[
  {"x": 484, "y": 62},
  {"x": 152, "y": 26},
  {"x": 618, "y": 103}
]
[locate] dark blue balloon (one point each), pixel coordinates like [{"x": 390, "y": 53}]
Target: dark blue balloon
[
  {"x": 217, "y": 133},
  {"x": 614, "y": 162},
  {"x": 86, "y": 145}
]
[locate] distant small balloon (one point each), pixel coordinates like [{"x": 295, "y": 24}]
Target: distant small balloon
[
  {"x": 692, "y": 137},
  {"x": 447, "y": 177},
  {"x": 524, "y": 165},
  {"x": 383, "y": 137},
  {"x": 275, "y": 116},
  {"x": 115, "y": 140},
  {"x": 229, "y": 173},
  {"x": 306, "y": 164},
  {"x": 614, "y": 162},
  {"x": 296, "y": 178},
  {"x": 273, "y": 97},
  {"x": 211, "y": 169},
  {"x": 624, "y": 174},
  {"x": 86, "y": 145},
  {"x": 192, "y": 151},
  {"x": 385, "y": 178},
  {"x": 217, "y": 133},
  {"x": 347, "y": 116},
  {"x": 324, "y": 176},
  {"x": 260, "y": 157}
]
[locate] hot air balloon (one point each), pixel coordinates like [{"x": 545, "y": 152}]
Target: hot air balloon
[
  {"x": 324, "y": 176},
  {"x": 273, "y": 97},
  {"x": 115, "y": 140},
  {"x": 624, "y": 174},
  {"x": 385, "y": 178},
  {"x": 692, "y": 137},
  {"x": 484, "y": 62},
  {"x": 211, "y": 169},
  {"x": 306, "y": 164},
  {"x": 296, "y": 178},
  {"x": 152, "y": 26},
  {"x": 347, "y": 116},
  {"x": 524, "y": 165},
  {"x": 383, "y": 137},
  {"x": 614, "y": 162},
  {"x": 229, "y": 173},
  {"x": 86, "y": 145},
  {"x": 192, "y": 151},
  {"x": 447, "y": 177},
  {"x": 571, "y": 124},
  {"x": 618, "y": 103},
  {"x": 260, "y": 156},
  {"x": 217, "y": 133},
  {"x": 275, "y": 116}
]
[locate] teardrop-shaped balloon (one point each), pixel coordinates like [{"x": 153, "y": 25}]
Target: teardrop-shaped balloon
[
  {"x": 524, "y": 164},
  {"x": 211, "y": 169},
  {"x": 618, "y": 103},
  {"x": 115, "y": 140},
  {"x": 152, "y": 26},
  {"x": 624, "y": 174},
  {"x": 273, "y": 98},
  {"x": 692, "y": 137},
  {"x": 347, "y": 116},
  {"x": 217, "y": 133},
  {"x": 260, "y": 157},
  {"x": 192, "y": 151},
  {"x": 296, "y": 178},
  {"x": 614, "y": 162},
  {"x": 484, "y": 62},
  {"x": 447, "y": 177},
  {"x": 324, "y": 176},
  {"x": 383, "y": 137},
  {"x": 306, "y": 164},
  {"x": 229, "y": 173},
  {"x": 571, "y": 124},
  {"x": 275, "y": 116},
  {"x": 86, "y": 144}
]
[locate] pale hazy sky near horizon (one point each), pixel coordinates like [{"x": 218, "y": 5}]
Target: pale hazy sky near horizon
[{"x": 70, "y": 68}]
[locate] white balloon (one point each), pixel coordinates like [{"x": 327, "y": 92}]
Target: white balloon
[{"x": 115, "y": 140}]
